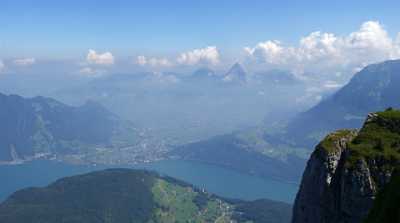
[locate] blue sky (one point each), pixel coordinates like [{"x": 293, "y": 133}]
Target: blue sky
[
  {"x": 95, "y": 37},
  {"x": 66, "y": 28}
]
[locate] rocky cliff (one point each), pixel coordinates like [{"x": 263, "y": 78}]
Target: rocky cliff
[{"x": 347, "y": 170}]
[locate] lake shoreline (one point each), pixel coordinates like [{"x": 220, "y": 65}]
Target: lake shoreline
[{"x": 218, "y": 180}]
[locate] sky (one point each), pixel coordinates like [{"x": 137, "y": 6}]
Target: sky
[{"x": 175, "y": 33}]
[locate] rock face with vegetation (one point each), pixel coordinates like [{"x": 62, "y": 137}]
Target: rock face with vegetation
[
  {"x": 348, "y": 169},
  {"x": 128, "y": 196},
  {"x": 387, "y": 204}
]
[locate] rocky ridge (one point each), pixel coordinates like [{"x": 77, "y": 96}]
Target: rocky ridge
[{"x": 348, "y": 169}]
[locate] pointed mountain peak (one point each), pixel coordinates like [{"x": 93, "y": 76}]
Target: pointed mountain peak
[
  {"x": 237, "y": 68},
  {"x": 236, "y": 73}
]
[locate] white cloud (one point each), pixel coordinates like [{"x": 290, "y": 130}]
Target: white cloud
[
  {"x": 2, "y": 66},
  {"x": 327, "y": 53},
  {"x": 270, "y": 51},
  {"x": 99, "y": 58},
  {"x": 154, "y": 62},
  {"x": 25, "y": 61},
  {"x": 208, "y": 55},
  {"x": 141, "y": 60}
]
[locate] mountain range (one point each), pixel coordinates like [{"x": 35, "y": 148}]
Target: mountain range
[
  {"x": 285, "y": 151},
  {"x": 43, "y": 127},
  {"x": 187, "y": 107}
]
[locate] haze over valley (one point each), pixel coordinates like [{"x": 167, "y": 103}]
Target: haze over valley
[{"x": 172, "y": 111}]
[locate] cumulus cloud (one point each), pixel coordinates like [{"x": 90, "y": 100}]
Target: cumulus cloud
[
  {"x": 154, "y": 62},
  {"x": 328, "y": 53},
  {"x": 208, "y": 55},
  {"x": 25, "y": 61},
  {"x": 99, "y": 58}
]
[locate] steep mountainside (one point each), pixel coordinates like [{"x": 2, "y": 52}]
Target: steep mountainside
[
  {"x": 348, "y": 169},
  {"x": 372, "y": 89},
  {"x": 33, "y": 127},
  {"x": 123, "y": 195}
]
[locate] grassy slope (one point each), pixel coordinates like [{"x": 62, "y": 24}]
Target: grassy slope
[
  {"x": 379, "y": 139},
  {"x": 177, "y": 203},
  {"x": 129, "y": 196}
]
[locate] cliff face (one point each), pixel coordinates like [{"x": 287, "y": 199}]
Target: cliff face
[{"x": 346, "y": 171}]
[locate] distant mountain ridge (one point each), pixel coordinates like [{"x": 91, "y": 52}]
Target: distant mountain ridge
[
  {"x": 245, "y": 153},
  {"x": 126, "y": 196},
  {"x": 372, "y": 89},
  {"x": 203, "y": 72},
  {"x": 34, "y": 127}
]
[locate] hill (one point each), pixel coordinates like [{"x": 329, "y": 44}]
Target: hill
[{"x": 123, "y": 195}]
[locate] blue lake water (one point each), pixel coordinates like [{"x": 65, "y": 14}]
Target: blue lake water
[{"x": 218, "y": 180}]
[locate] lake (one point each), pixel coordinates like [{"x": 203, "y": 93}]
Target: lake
[{"x": 217, "y": 180}]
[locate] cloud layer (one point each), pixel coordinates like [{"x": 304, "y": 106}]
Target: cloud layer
[
  {"x": 25, "y": 61},
  {"x": 99, "y": 58},
  {"x": 318, "y": 55},
  {"x": 153, "y": 61},
  {"x": 328, "y": 53},
  {"x": 2, "y": 66}
]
